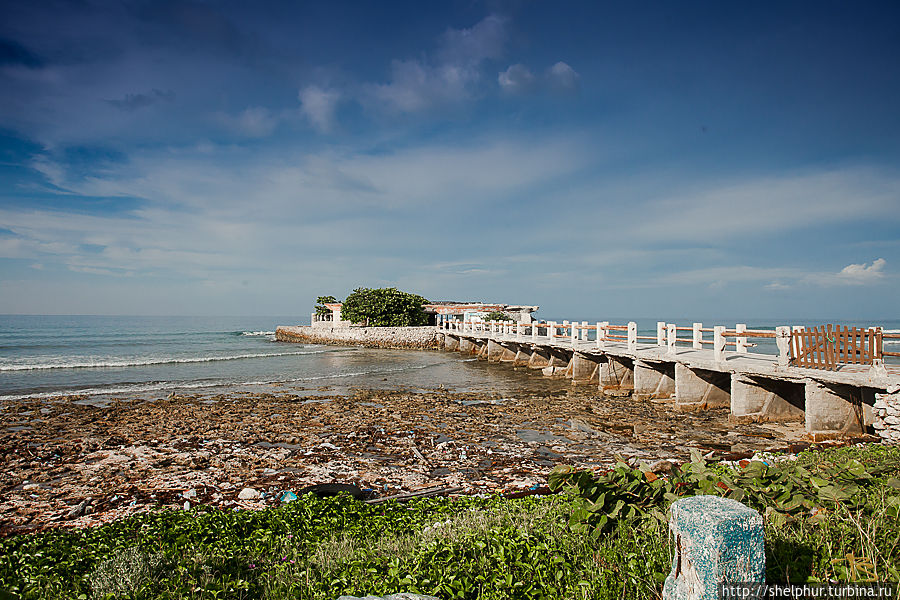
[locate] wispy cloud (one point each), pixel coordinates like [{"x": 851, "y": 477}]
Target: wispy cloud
[
  {"x": 516, "y": 79},
  {"x": 132, "y": 102},
  {"x": 318, "y": 105},
  {"x": 254, "y": 122}
]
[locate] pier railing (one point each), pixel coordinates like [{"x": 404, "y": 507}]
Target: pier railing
[{"x": 796, "y": 345}]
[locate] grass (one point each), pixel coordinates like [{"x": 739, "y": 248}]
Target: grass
[{"x": 473, "y": 548}]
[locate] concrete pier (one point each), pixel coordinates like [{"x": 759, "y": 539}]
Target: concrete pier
[
  {"x": 697, "y": 368},
  {"x": 760, "y": 399},
  {"x": 654, "y": 379},
  {"x": 698, "y": 389}
]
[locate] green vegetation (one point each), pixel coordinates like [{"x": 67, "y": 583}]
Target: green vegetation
[
  {"x": 477, "y": 548},
  {"x": 384, "y": 307},
  {"x": 497, "y": 315},
  {"x": 321, "y": 301}
]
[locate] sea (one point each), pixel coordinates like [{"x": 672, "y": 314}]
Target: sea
[{"x": 102, "y": 357}]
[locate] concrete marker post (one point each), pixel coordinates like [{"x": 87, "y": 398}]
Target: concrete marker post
[
  {"x": 698, "y": 337},
  {"x": 660, "y": 333},
  {"x": 671, "y": 336},
  {"x": 783, "y": 341},
  {"x": 632, "y": 336}
]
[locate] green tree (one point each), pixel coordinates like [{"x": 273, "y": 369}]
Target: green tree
[
  {"x": 497, "y": 316},
  {"x": 321, "y": 301},
  {"x": 384, "y": 307}
]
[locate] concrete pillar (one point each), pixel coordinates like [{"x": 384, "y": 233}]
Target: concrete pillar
[
  {"x": 584, "y": 331},
  {"x": 574, "y": 334},
  {"x": 520, "y": 331},
  {"x": 698, "y": 389},
  {"x": 601, "y": 334},
  {"x": 719, "y": 343},
  {"x": 834, "y": 410},
  {"x": 760, "y": 399},
  {"x": 632, "y": 336},
  {"x": 466, "y": 346},
  {"x": 671, "y": 336},
  {"x": 717, "y": 541},
  {"x": 584, "y": 368},
  {"x": 741, "y": 344},
  {"x": 654, "y": 380},
  {"x": 551, "y": 331},
  {"x": 559, "y": 358},
  {"x": 617, "y": 372},
  {"x": 534, "y": 332},
  {"x": 481, "y": 349},
  {"x": 698, "y": 337},
  {"x": 523, "y": 357},
  {"x": 540, "y": 358},
  {"x": 451, "y": 342},
  {"x": 660, "y": 333},
  {"x": 496, "y": 351}
]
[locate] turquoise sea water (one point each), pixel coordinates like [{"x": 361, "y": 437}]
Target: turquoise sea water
[{"x": 101, "y": 356}]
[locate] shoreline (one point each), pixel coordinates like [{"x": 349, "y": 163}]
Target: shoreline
[{"x": 67, "y": 464}]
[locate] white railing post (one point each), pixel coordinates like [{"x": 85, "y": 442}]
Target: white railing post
[
  {"x": 698, "y": 337},
  {"x": 551, "y": 330},
  {"x": 783, "y": 341},
  {"x": 573, "y": 333},
  {"x": 520, "y": 331},
  {"x": 534, "y": 330},
  {"x": 660, "y": 333},
  {"x": 584, "y": 334},
  {"x": 740, "y": 341},
  {"x": 719, "y": 343},
  {"x": 632, "y": 336},
  {"x": 671, "y": 336},
  {"x": 601, "y": 334}
]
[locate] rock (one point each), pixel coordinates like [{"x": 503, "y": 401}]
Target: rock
[
  {"x": 248, "y": 494},
  {"x": 189, "y": 494},
  {"x": 78, "y": 510},
  {"x": 716, "y": 540}
]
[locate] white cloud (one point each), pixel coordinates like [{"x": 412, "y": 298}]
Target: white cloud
[
  {"x": 516, "y": 79},
  {"x": 563, "y": 77},
  {"x": 486, "y": 39},
  {"x": 858, "y": 274},
  {"x": 318, "y": 105}
]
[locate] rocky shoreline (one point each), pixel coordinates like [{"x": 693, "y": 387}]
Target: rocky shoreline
[
  {"x": 418, "y": 338},
  {"x": 66, "y": 463}
]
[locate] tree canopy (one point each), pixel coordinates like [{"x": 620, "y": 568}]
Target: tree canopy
[
  {"x": 384, "y": 307},
  {"x": 321, "y": 301},
  {"x": 497, "y": 315}
]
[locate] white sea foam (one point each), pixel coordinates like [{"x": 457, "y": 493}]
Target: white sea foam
[
  {"x": 170, "y": 385},
  {"x": 85, "y": 364},
  {"x": 257, "y": 333}
]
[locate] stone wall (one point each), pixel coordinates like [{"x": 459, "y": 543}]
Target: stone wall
[
  {"x": 887, "y": 417},
  {"x": 372, "y": 337}
]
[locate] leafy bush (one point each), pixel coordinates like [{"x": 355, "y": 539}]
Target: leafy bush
[
  {"x": 384, "y": 307},
  {"x": 497, "y": 315}
]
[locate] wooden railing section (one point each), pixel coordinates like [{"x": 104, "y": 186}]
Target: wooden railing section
[{"x": 828, "y": 346}]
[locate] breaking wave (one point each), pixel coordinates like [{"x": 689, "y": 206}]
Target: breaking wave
[
  {"x": 257, "y": 333},
  {"x": 147, "y": 362}
]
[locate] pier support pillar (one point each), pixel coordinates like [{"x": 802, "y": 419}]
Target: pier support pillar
[
  {"x": 760, "y": 399},
  {"x": 654, "y": 380},
  {"x": 617, "y": 372},
  {"x": 699, "y": 389},
  {"x": 498, "y": 352},
  {"x": 481, "y": 349},
  {"x": 466, "y": 346},
  {"x": 540, "y": 358},
  {"x": 835, "y": 410},
  {"x": 523, "y": 357},
  {"x": 584, "y": 369},
  {"x": 451, "y": 342}
]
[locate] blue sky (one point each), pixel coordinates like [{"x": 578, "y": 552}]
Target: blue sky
[{"x": 647, "y": 159}]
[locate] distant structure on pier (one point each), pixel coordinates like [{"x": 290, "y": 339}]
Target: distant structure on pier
[{"x": 440, "y": 312}]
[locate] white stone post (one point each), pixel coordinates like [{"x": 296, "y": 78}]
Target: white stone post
[
  {"x": 573, "y": 333},
  {"x": 660, "y": 333},
  {"x": 741, "y": 342},
  {"x": 698, "y": 336},
  {"x": 719, "y": 343},
  {"x": 584, "y": 334},
  {"x": 520, "y": 331},
  {"x": 551, "y": 330},
  {"x": 534, "y": 330},
  {"x": 671, "y": 335},
  {"x": 783, "y": 340},
  {"x": 601, "y": 333},
  {"x": 632, "y": 336}
]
